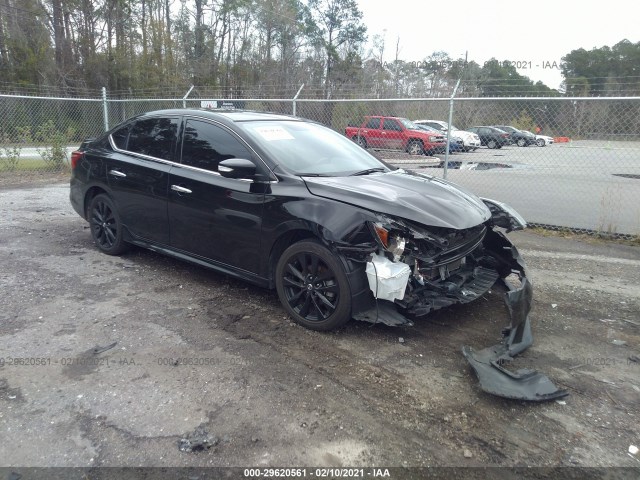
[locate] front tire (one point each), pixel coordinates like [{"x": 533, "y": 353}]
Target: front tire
[
  {"x": 360, "y": 141},
  {"x": 313, "y": 286},
  {"x": 521, "y": 142},
  {"x": 492, "y": 144},
  {"x": 106, "y": 227},
  {"x": 541, "y": 143}
]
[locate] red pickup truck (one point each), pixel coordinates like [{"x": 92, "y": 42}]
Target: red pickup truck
[{"x": 396, "y": 133}]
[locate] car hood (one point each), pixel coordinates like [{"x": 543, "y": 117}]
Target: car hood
[
  {"x": 421, "y": 198},
  {"x": 462, "y": 133}
]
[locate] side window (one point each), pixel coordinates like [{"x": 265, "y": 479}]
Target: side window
[
  {"x": 390, "y": 124},
  {"x": 155, "y": 137},
  {"x": 485, "y": 131},
  {"x": 121, "y": 136},
  {"x": 204, "y": 145},
  {"x": 373, "y": 123}
]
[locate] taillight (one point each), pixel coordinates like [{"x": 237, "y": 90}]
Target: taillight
[{"x": 75, "y": 158}]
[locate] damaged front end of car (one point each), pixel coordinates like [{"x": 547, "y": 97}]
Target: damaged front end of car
[{"x": 416, "y": 269}]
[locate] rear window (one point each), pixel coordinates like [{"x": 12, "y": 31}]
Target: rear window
[
  {"x": 155, "y": 137},
  {"x": 120, "y": 137}
]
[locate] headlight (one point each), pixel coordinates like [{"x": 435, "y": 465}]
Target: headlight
[
  {"x": 396, "y": 246},
  {"x": 505, "y": 216},
  {"x": 393, "y": 243}
]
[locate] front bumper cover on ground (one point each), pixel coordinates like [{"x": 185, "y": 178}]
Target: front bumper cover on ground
[{"x": 488, "y": 363}]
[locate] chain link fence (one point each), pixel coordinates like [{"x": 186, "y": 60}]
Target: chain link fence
[{"x": 582, "y": 171}]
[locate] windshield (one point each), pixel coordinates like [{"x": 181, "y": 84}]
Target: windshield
[
  {"x": 310, "y": 149},
  {"x": 408, "y": 124}
]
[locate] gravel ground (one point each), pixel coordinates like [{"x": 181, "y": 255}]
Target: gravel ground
[{"x": 200, "y": 357}]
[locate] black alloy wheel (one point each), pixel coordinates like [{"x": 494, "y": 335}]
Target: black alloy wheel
[
  {"x": 313, "y": 286},
  {"x": 106, "y": 228}
]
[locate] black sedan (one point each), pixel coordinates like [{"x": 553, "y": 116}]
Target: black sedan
[
  {"x": 519, "y": 137},
  {"x": 491, "y": 137},
  {"x": 289, "y": 204}
]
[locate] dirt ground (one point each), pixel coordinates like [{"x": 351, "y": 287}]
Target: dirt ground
[{"x": 198, "y": 352}]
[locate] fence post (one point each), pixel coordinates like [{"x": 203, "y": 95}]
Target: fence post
[
  {"x": 446, "y": 152},
  {"x": 295, "y": 98},
  {"x": 105, "y": 109},
  {"x": 184, "y": 99}
]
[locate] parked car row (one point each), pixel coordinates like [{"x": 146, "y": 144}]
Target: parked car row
[
  {"x": 428, "y": 137},
  {"x": 470, "y": 140}
]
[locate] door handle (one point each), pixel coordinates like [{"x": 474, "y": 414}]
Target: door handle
[
  {"x": 179, "y": 189},
  {"x": 117, "y": 173}
]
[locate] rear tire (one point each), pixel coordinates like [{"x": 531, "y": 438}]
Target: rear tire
[
  {"x": 313, "y": 286},
  {"x": 106, "y": 227},
  {"x": 415, "y": 148},
  {"x": 492, "y": 144}
]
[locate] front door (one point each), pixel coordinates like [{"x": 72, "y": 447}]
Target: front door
[{"x": 214, "y": 217}]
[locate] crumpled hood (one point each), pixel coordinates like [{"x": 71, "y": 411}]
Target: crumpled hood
[{"x": 421, "y": 198}]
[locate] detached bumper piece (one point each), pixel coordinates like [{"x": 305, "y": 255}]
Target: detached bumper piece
[{"x": 489, "y": 363}]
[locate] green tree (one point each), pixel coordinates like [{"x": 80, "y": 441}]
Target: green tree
[{"x": 338, "y": 26}]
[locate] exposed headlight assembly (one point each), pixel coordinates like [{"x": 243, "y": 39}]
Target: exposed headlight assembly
[
  {"x": 502, "y": 215},
  {"x": 392, "y": 241}
]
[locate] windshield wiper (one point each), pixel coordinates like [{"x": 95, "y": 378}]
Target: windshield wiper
[
  {"x": 314, "y": 175},
  {"x": 368, "y": 171}
]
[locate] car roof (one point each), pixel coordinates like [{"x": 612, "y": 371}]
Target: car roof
[{"x": 223, "y": 114}]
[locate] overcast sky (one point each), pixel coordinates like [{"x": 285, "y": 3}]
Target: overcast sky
[{"x": 535, "y": 33}]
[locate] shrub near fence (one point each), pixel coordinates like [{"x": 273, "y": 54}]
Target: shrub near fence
[{"x": 589, "y": 183}]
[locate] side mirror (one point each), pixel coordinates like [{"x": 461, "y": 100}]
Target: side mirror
[{"x": 237, "y": 168}]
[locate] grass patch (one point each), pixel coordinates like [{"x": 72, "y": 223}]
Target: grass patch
[
  {"x": 34, "y": 164},
  {"x": 591, "y": 237}
]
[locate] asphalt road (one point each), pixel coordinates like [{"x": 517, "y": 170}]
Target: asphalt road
[
  {"x": 183, "y": 351},
  {"x": 576, "y": 185}
]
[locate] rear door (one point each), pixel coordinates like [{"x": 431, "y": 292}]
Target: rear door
[
  {"x": 486, "y": 135},
  {"x": 210, "y": 216},
  {"x": 372, "y": 131},
  {"x": 392, "y": 134},
  {"x": 138, "y": 175}
]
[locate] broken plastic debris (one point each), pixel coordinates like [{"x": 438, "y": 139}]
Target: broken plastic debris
[
  {"x": 619, "y": 342},
  {"x": 554, "y": 305},
  {"x": 561, "y": 402},
  {"x": 197, "y": 441},
  {"x": 633, "y": 450},
  {"x": 97, "y": 349}
]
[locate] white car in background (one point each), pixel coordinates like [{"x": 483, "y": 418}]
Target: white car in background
[
  {"x": 471, "y": 140},
  {"x": 543, "y": 140}
]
